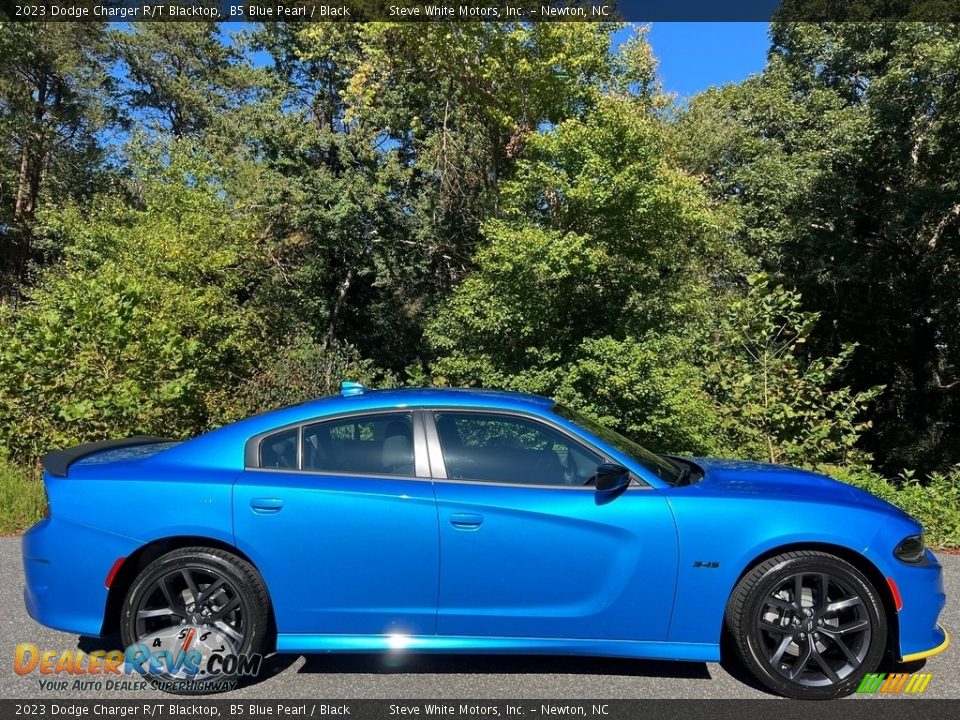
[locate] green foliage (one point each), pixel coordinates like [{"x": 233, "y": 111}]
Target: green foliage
[
  {"x": 501, "y": 204},
  {"x": 649, "y": 388},
  {"x": 408, "y": 132},
  {"x": 53, "y": 102},
  {"x": 841, "y": 164},
  {"x": 935, "y": 503},
  {"x": 509, "y": 75},
  {"x": 143, "y": 325},
  {"x": 587, "y": 278},
  {"x": 777, "y": 404},
  {"x": 22, "y": 498},
  {"x": 300, "y": 372},
  {"x": 179, "y": 76},
  {"x": 597, "y": 237}
]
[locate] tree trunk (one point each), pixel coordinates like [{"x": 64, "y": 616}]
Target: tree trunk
[
  {"x": 337, "y": 308},
  {"x": 28, "y": 187},
  {"x": 18, "y": 208},
  {"x": 33, "y": 161}
]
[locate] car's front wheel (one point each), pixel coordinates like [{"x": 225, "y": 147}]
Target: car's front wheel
[
  {"x": 188, "y": 606},
  {"x": 807, "y": 624}
]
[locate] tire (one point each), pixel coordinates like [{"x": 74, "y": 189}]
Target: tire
[
  {"x": 233, "y": 615},
  {"x": 819, "y": 649}
]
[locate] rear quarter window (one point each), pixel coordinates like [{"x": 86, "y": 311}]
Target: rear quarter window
[{"x": 280, "y": 450}]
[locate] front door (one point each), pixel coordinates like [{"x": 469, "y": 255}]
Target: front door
[{"x": 529, "y": 551}]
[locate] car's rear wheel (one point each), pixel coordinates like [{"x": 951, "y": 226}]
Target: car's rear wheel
[
  {"x": 188, "y": 605},
  {"x": 807, "y": 624}
]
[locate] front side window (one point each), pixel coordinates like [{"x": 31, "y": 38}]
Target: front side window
[
  {"x": 662, "y": 468},
  {"x": 488, "y": 447},
  {"x": 380, "y": 444}
]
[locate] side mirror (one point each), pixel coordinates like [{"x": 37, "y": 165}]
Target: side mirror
[{"x": 611, "y": 477}]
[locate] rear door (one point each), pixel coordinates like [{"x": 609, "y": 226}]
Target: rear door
[
  {"x": 529, "y": 551},
  {"x": 340, "y": 517}
]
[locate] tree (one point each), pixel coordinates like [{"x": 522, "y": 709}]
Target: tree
[
  {"x": 458, "y": 101},
  {"x": 146, "y": 325},
  {"x": 178, "y": 78},
  {"x": 651, "y": 388},
  {"x": 841, "y": 160},
  {"x": 590, "y": 279},
  {"x": 373, "y": 180},
  {"x": 301, "y": 371},
  {"x": 52, "y": 105},
  {"x": 777, "y": 404}
]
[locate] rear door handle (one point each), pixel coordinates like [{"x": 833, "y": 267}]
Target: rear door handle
[
  {"x": 266, "y": 505},
  {"x": 466, "y": 521}
]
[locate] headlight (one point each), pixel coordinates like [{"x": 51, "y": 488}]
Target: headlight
[{"x": 910, "y": 550}]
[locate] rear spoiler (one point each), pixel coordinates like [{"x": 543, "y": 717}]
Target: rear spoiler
[{"x": 58, "y": 462}]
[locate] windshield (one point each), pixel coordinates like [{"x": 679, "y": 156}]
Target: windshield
[{"x": 663, "y": 469}]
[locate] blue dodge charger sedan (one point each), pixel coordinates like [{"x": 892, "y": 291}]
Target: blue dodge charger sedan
[{"x": 471, "y": 521}]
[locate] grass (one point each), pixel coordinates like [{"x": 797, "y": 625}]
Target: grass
[{"x": 22, "y": 498}]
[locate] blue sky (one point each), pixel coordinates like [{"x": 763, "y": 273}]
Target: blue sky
[{"x": 694, "y": 56}]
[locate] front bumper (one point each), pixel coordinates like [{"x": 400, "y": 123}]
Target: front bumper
[
  {"x": 921, "y": 588},
  {"x": 933, "y": 651}
]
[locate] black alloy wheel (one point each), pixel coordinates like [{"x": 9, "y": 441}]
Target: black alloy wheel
[
  {"x": 192, "y": 595},
  {"x": 808, "y": 624},
  {"x": 196, "y": 598}
]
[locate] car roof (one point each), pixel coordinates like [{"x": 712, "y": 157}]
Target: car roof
[
  {"x": 428, "y": 397},
  {"x": 400, "y": 398}
]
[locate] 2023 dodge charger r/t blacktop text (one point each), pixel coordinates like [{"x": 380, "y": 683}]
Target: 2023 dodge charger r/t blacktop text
[{"x": 478, "y": 522}]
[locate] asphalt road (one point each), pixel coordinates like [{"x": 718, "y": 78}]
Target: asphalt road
[{"x": 443, "y": 676}]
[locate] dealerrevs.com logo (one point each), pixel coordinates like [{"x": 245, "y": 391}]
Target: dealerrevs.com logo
[
  {"x": 894, "y": 683},
  {"x": 181, "y": 659}
]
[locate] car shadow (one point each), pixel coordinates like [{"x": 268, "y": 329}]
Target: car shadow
[
  {"x": 272, "y": 665},
  {"x": 891, "y": 665},
  {"x": 735, "y": 667},
  {"x": 465, "y": 664},
  {"x": 93, "y": 644},
  {"x": 457, "y": 664}
]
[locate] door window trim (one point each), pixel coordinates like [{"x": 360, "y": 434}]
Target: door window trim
[
  {"x": 439, "y": 468},
  {"x": 427, "y": 452},
  {"x": 421, "y": 462}
]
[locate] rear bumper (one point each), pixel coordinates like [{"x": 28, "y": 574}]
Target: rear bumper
[{"x": 65, "y": 565}]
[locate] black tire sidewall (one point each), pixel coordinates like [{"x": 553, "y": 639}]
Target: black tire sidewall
[
  {"x": 236, "y": 571},
  {"x": 831, "y": 566}
]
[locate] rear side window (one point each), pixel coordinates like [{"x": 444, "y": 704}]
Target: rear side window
[
  {"x": 380, "y": 444},
  {"x": 279, "y": 450}
]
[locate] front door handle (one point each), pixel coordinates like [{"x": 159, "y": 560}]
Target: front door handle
[
  {"x": 466, "y": 521},
  {"x": 266, "y": 505}
]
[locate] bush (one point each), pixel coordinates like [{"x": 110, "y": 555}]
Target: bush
[
  {"x": 647, "y": 388},
  {"x": 780, "y": 405},
  {"x": 935, "y": 504},
  {"x": 302, "y": 371},
  {"x": 22, "y": 498},
  {"x": 143, "y": 325}
]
